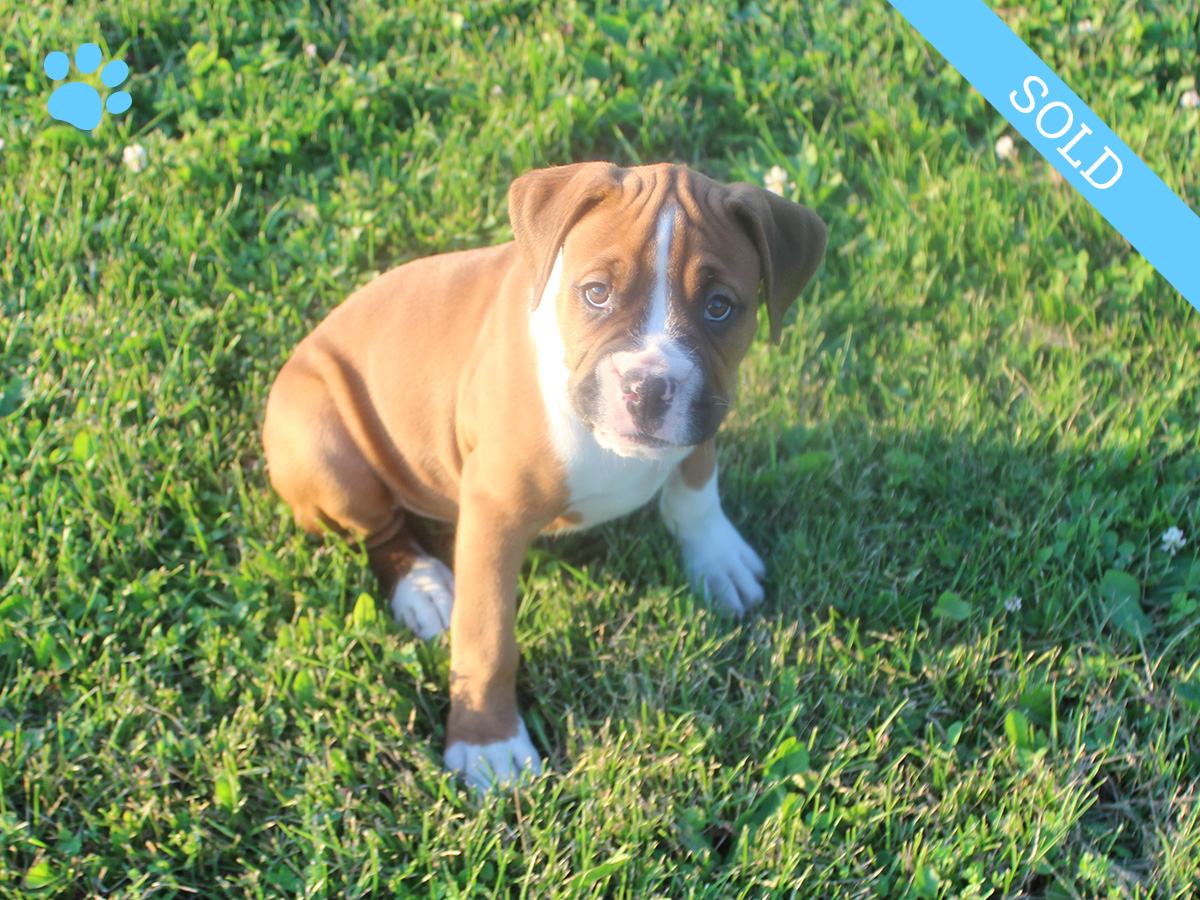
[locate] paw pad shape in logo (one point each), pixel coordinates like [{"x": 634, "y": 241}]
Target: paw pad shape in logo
[{"x": 77, "y": 103}]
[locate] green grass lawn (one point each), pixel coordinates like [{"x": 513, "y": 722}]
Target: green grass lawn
[{"x": 984, "y": 395}]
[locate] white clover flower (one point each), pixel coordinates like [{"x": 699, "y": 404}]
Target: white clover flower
[
  {"x": 497, "y": 90},
  {"x": 776, "y": 181},
  {"x": 1173, "y": 540},
  {"x": 1005, "y": 148},
  {"x": 3, "y": 144},
  {"x": 1190, "y": 99},
  {"x": 1013, "y": 604},
  {"x": 310, "y": 50},
  {"x": 1085, "y": 27},
  {"x": 135, "y": 157}
]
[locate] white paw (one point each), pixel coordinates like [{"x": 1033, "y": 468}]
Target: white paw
[
  {"x": 723, "y": 567},
  {"x": 501, "y": 764},
  {"x": 423, "y": 598}
]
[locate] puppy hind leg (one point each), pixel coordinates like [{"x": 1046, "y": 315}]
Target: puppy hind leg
[
  {"x": 318, "y": 468},
  {"x": 419, "y": 587}
]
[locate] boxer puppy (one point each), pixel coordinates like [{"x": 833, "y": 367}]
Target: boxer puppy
[{"x": 547, "y": 384}]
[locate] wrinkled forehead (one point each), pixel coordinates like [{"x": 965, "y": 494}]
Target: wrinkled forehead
[{"x": 674, "y": 212}]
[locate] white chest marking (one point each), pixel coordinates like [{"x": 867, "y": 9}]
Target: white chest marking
[{"x": 601, "y": 484}]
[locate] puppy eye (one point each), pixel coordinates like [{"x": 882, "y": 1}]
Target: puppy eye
[
  {"x": 718, "y": 308},
  {"x": 597, "y": 294}
]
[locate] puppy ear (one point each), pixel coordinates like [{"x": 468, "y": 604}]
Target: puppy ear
[
  {"x": 790, "y": 240},
  {"x": 545, "y": 204}
]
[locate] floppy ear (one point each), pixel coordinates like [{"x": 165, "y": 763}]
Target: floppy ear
[
  {"x": 790, "y": 240},
  {"x": 543, "y": 205}
]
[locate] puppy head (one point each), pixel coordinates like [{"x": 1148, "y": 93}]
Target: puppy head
[{"x": 654, "y": 274}]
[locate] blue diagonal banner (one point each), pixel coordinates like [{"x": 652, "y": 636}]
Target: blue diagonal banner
[{"x": 1063, "y": 129}]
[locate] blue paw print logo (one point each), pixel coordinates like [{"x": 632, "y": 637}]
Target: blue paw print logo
[{"x": 77, "y": 103}]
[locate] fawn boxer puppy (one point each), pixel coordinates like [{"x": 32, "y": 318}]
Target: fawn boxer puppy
[{"x": 543, "y": 385}]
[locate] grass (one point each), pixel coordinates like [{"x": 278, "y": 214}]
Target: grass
[{"x": 985, "y": 394}]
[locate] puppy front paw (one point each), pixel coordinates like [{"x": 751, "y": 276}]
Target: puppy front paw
[
  {"x": 498, "y": 765},
  {"x": 424, "y": 597},
  {"x": 724, "y": 568}
]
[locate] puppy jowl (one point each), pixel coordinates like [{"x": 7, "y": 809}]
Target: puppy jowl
[{"x": 567, "y": 378}]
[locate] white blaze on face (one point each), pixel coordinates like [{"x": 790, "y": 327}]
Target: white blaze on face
[
  {"x": 659, "y": 353},
  {"x": 660, "y": 297}
]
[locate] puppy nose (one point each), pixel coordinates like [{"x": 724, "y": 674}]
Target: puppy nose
[
  {"x": 646, "y": 385},
  {"x": 647, "y": 394}
]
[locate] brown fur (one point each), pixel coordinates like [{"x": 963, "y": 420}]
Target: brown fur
[{"x": 699, "y": 465}]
